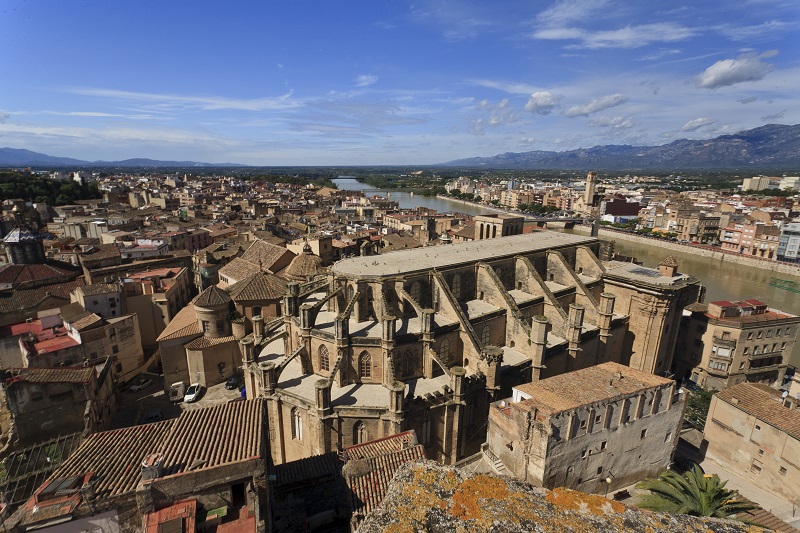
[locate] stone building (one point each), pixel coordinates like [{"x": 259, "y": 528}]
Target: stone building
[
  {"x": 594, "y": 430},
  {"x": 45, "y": 403},
  {"x": 725, "y": 343},
  {"x": 415, "y": 339},
  {"x": 494, "y": 226},
  {"x": 754, "y": 430}
]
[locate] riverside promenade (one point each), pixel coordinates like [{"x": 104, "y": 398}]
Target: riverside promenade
[{"x": 700, "y": 250}]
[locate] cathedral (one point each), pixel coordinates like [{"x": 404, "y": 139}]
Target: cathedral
[{"x": 427, "y": 338}]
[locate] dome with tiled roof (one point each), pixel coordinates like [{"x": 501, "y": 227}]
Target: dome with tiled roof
[
  {"x": 304, "y": 265},
  {"x": 212, "y": 297},
  {"x": 257, "y": 286},
  {"x": 20, "y": 235}
]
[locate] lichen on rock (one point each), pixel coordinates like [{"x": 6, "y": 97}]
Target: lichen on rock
[{"x": 427, "y": 496}]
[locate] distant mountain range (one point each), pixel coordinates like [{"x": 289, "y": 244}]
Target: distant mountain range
[
  {"x": 12, "y": 157},
  {"x": 770, "y": 146}
]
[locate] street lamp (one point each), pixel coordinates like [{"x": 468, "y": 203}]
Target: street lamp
[{"x": 608, "y": 481}]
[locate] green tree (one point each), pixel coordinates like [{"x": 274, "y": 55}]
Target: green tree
[
  {"x": 697, "y": 407},
  {"x": 693, "y": 493}
]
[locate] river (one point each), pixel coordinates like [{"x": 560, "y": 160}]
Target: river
[{"x": 407, "y": 201}]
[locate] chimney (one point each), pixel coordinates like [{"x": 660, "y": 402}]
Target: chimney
[{"x": 152, "y": 466}]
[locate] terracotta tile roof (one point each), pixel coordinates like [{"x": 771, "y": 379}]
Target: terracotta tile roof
[
  {"x": 219, "y": 435},
  {"x": 79, "y": 318},
  {"x": 258, "y": 286},
  {"x": 183, "y": 325},
  {"x": 22, "y": 274},
  {"x": 587, "y": 386},
  {"x": 764, "y": 403},
  {"x": 212, "y": 297},
  {"x": 30, "y": 298},
  {"x": 763, "y": 518},
  {"x": 205, "y": 342},
  {"x": 368, "y": 478},
  {"x": 265, "y": 254},
  {"x": 377, "y": 447},
  {"x": 238, "y": 269},
  {"x": 51, "y": 375},
  {"x": 100, "y": 288}
]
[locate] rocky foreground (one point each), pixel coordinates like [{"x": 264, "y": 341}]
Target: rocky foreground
[{"x": 430, "y": 497}]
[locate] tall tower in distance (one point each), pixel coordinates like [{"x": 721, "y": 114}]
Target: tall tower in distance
[{"x": 591, "y": 183}]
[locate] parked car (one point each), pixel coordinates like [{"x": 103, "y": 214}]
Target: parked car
[
  {"x": 176, "y": 391},
  {"x": 233, "y": 383},
  {"x": 142, "y": 384},
  {"x": 193, "y": 393}
]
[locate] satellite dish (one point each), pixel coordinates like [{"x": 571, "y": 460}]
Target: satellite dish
[{"x": 785, "y": 394}]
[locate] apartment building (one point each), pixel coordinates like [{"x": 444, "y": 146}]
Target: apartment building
[{"x": 725, "y": 343}]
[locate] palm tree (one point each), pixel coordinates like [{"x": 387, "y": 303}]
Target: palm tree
[{"x": 693, "y": 493}]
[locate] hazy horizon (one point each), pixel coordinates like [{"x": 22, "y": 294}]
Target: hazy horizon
[{"x": 360, "y": 84}]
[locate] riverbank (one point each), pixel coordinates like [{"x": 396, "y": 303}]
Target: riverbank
[
  {"x": 714, "y": 255},
  {"x": 475, "y": 205}
]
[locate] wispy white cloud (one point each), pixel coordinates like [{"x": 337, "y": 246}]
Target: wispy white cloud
[
  {"x": 632, "y": 36},
  {"x": 570, "y": 11},
  {"x": 457, "y": 21},
  {"x": 283, "y": 101},
  {"x": 505, "y": 86},
  {"x": 756, "y": 31},
  {"x": 596, "y": 105},
  {"x": 696, "y": 124},
  {"x": 660, "y": 54},
  {"x": 88, "y": 114},
  {"x": 542, "y": 102},
  {"x": 747, "y": 67},
  {"x": 364, "y": 80},
  {"x": 617, "y": 123}
]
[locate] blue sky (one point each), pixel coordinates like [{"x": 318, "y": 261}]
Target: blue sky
[{"x": 371, "y": 82}]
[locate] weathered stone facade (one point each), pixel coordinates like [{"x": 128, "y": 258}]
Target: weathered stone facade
[
  {"x": 425, "y": 339},
  {"x": 593, "y": 430}
]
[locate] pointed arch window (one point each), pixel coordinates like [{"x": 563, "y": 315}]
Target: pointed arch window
[
  {"x": 297, "y": 424},
  {"x": 360, "y": 433},
  {"x": 324, "y": 358},
  {"x": 364, "y": 365},
  {"x": 406, "y": 364},
  {"x": 457, "y": 286},
  {"x": 444, "y": 349},
  {"x": 485, "y": 333}
]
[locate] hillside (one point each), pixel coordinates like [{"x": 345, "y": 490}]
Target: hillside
[{"x": 770, "y": 146}]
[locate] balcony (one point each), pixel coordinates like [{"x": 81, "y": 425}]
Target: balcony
[{"x": 724, "y": 343}]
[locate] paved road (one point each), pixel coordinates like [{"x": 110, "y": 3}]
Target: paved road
[{"x": 151, "y": 404}]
